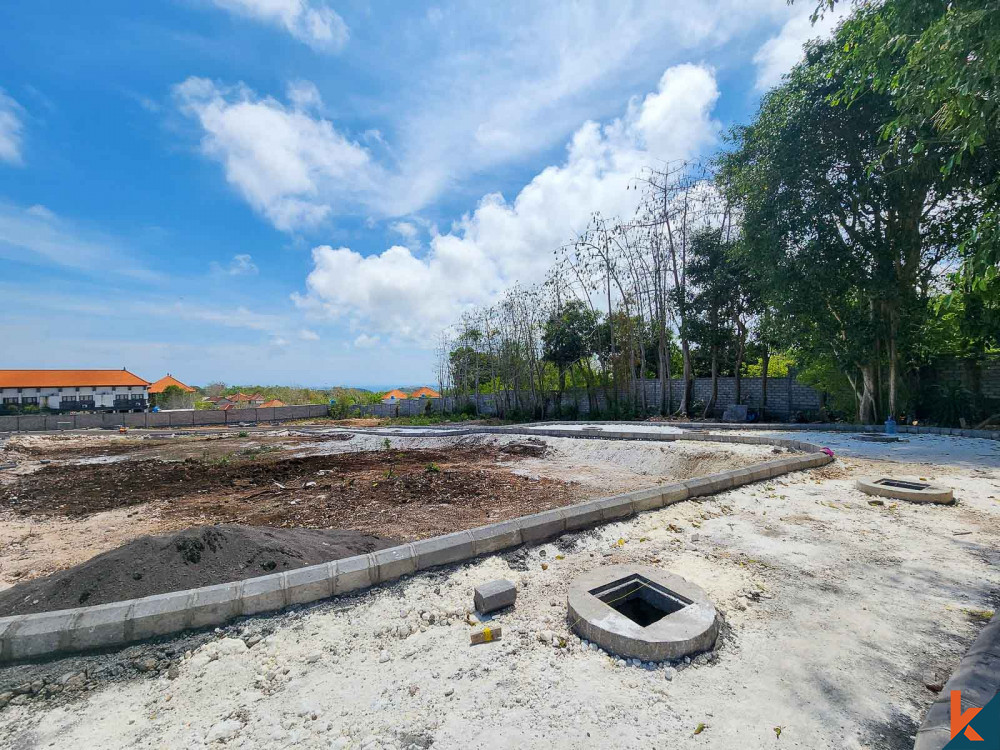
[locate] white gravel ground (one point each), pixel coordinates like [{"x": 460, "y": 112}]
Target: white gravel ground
[{"x": 838, "y": 613}]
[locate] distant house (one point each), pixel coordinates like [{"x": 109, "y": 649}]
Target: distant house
[
  {"x": 213, "y": 399},
  {"x": 425, "y": 393},
  {"x": 73, "y": 390},
  {"x": 272, "y": 403},
  {"x": 241, "y": 401},
  {"x": 165, "y": 382},
  {"x": 393, "y": 396}
]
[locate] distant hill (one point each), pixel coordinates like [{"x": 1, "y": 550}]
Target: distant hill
[{"x": 289, "y": 394}]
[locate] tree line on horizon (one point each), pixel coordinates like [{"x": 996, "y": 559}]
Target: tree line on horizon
[{"x": 849, "y": 230}]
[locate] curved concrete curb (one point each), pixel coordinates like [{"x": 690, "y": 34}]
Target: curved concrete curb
[
  {"x": 46, "y": 633},
  {"x": 911, "y": 490},
  {"x": 978, "y": 680}
]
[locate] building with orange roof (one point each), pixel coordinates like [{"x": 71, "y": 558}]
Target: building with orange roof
[
  {"x": 73, "y": 390},
  {"x": 393, "y": 396},
  {"x": 425, "y": 392},
  {"x": 272, "y": 403},
  {"x": 165, "y": 382}
]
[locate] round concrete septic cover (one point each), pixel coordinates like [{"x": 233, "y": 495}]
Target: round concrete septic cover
[
  {"x": 914, "y": 490},
  {"x": 643, "y": 613}
]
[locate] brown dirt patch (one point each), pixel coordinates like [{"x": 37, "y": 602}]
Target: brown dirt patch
[
  {"x": 201, "y": 556},
  {"x": 401, "y": 494}
]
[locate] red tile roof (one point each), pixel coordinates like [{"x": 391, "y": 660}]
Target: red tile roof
[
  {"x": 163, "y": 383},
  {"x": 273, "y": 402},
  {"x": 394, "y": 392},
  {"x": 425, "y": 393},
  {"x": 67, "y": 378}
]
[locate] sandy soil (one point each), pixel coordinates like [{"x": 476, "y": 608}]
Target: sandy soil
[
  {"x": 839, "y": 615},
  {"x": 98, "y": 492}
]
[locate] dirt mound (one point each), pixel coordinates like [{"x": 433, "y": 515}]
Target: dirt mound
[
  {"x": 200, "y": 556},
  {"x": 531, "y": 447}
]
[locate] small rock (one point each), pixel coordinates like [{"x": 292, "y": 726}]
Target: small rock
[
  {"x": 383, "y": 657},
  {"x": 253, "y": 640},
  {"x": 223, "y": 731},
  {"x": 449, "y": 692},
  {"x": 669, "y": 673},
  {"x": 309, "y": 484},
  {"x": 173, "y": 672},
  {"x": 545, "y": 636},
  {"x": 313, "y": 657},
  {"x": 72, "y": 678}
]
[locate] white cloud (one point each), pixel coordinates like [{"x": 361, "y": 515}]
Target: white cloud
[
  {"x": 399, "y": 293},
  {"x": 37, "y": 235},
  {"x": 288, "y": 165},
  {"x": 11, "y": 130},
  {"x": 306, "y": 335},
  {"x": 241, "y": 265},
  {"x": 313, "y": 22},
  {"x": 304, "y": 95},
  {"x": 781, "y": 52},
  {"x": 364, "y": 341}
]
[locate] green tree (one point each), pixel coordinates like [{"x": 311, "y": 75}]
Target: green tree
[{"x": 568, "y": 337}]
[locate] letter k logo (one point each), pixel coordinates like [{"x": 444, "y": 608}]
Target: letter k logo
[{"x": 960, "y": 721}]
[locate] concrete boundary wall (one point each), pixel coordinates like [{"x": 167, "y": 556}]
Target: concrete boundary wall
[
  {"x": 108, "y": 625},
  {"x": 196, "y": 418}
]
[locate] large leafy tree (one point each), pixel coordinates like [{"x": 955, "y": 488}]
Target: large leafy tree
[
  {"x": 569, "y": 337},
  {"x": 848, "y": 229}
]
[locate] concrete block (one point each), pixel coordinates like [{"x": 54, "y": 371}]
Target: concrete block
[
  {"x": 353, "y": 573},
  {"x": 489, "y": 597},
  {"x": 212, "y": 605},
  {"x": 496, "y": 536},
  {"x": 263, "y": 594},
  {"x": 35, "y": 635},
  {"x": 97, "y": 627},
  {"x": 443, "y": 550},
  {"x": 614, "y": 508},
  {"x": 582, "y": 515},
  {"x": 541, "y": 526},
  {"x": 394, "y": 562},
  {"x": 674, "y": 492},
  {"x": 158, "y": 615},
  {"x": 309, "y": 584},
  {"x": 698, "y": 487},
  {"x": 643, "y": 500}
]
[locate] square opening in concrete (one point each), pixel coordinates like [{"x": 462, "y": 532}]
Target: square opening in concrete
[
  {"x": 642, "y": 601},
  {"x": 903, "y": 485}
]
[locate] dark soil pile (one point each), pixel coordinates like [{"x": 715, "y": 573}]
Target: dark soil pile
[{"x": 200, "y": 556}]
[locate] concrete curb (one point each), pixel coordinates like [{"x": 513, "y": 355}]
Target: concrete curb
[
  {"x": 44, "y": 634},
  {"x": 978, "y": 679}
]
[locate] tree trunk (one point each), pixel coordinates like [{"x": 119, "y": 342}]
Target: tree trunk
[
  {"x": 685, "y": 404},
  {"x": 715, "y": 383},
  {"x": 866, "y": 404}
]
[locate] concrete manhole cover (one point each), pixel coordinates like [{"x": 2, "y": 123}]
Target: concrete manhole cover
[
  {"x": 906, "y": 489},
  {"x": 643, "y": 613}
]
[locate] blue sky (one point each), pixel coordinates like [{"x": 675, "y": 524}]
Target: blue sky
[{"x": 308, "y": 191}]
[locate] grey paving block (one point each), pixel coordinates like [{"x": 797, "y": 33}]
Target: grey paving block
[
  {"x": 442, "y": 550},
  {"x": 582, "y": 515},
  {"x": 211, "y": 605},
  {"x": 496, "y": 536},
  {"x": 394, "y": 562},
  {"x": 36, "y": 635},
  {"x": 615, "y": 508},
  {"x": 643, "y": 500},
  {"x": 674, "y": 492},
  {"x": 541, "y": 526},
  {"x": 353, "y": 573},
  {"x": 159, "y": 615},
  {"x": 310, "y": 584},
  {"x": 97, "y": 627},
  {"x": 489, "y": 597},
  {"x": 263, "y": 594}
]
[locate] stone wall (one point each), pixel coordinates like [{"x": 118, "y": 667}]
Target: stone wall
[{"x": 981, "y": 377}]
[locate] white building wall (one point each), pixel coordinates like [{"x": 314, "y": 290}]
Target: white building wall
[{"x": 104, "y": 396}]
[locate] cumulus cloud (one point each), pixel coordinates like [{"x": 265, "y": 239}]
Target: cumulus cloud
[
  {"x": 306, "y": 335},
  {"x": 313, "y": 22},
  {"x": 241, "y": 265},
  {"x": 11, "y": 129},
  {"x": 781, "y": 52},
  {"x": 414, "y": 296},
  {"x": 289, "y": 165}
]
